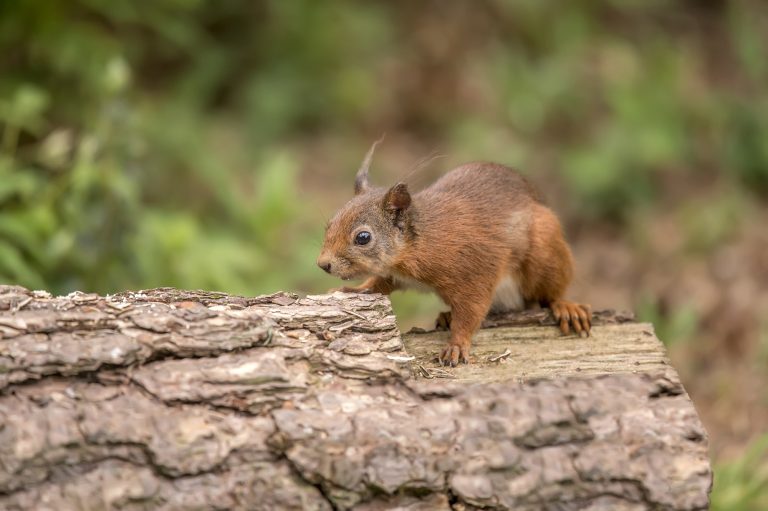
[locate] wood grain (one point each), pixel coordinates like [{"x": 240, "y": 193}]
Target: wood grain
[{"x": 530, "y": 352}]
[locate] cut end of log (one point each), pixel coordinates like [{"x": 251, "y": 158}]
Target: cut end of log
[{"x": 168, "y": 399}]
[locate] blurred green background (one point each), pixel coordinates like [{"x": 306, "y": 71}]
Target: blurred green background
[{"x": 203, "y": 144}]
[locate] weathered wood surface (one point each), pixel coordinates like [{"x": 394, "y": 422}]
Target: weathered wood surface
[
  {"x": 168, "y": 399},
  {"x": 529, "y": 345}
]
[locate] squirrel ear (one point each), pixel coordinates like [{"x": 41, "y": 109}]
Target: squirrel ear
[
  {"x": 361, "y": 179},
  {"x": 397, "y": 198}
]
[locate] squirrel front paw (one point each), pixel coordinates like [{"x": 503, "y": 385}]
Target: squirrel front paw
[
  {"x": 454, "y": 352},
  {"x": 574, "y": 315}
]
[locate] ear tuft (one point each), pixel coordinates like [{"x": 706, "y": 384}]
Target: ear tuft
[
  {"x": 397, "y": 198},
  {"x": 361, "y": 179}
]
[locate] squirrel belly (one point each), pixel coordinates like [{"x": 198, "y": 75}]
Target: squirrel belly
[{"x": 507, "y": 296}]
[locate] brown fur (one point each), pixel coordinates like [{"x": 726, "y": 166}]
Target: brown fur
[{"x": 477, "y": 225}]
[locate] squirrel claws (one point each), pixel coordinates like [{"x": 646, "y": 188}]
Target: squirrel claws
[
  {"x": 575, "y": 315},
  {"x": 452, "y": 354},
  {"x": 455, "y": 351}
]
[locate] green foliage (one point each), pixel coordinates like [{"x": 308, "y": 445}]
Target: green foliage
[
  {"x": 672, "y": 326},
  {"x": 163, "y": 144},
  {"x": 102, "y": 186},
  {"x": 746, "y": 152},
  {"x": 742, "y": 484},
  {"x": 711, "y": 222}
]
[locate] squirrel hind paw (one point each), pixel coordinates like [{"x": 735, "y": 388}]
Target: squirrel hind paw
[
  {"x": 443, "y": 321},
  {"x": 572, "y": 315}
]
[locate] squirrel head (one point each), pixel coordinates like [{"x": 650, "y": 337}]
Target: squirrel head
[{"x": 367, "y": 234}]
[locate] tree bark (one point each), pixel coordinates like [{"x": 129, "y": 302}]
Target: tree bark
[{"x": 168, "y": 399}]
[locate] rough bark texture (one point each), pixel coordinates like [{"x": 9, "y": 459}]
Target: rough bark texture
[{"x": 169, "y": 399}]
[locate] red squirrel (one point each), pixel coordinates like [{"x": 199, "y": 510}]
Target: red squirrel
[{"x": 480, "y": 237}]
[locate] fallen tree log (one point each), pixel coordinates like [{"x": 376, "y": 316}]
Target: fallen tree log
[{"x": 168, "y": 399}]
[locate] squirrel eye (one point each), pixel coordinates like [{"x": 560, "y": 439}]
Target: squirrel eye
[{"x": 362, "y": 238}]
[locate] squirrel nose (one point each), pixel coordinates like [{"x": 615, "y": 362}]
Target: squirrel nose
[{"x": 325, "y": 266}]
